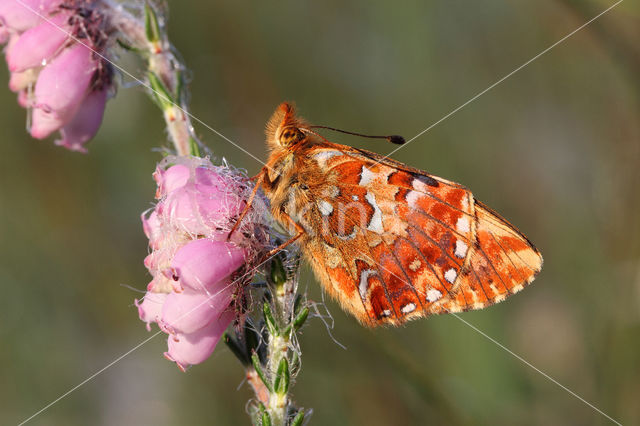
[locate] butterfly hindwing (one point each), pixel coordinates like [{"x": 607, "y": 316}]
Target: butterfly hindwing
[{"x": 413, "y": 244}]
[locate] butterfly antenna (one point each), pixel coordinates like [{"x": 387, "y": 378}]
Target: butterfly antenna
[{"x": 396, "y": 139}]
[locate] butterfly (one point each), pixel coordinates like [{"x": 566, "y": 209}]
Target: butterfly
[{"x": 390, "y": 242}]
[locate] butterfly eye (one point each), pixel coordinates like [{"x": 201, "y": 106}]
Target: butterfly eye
[{"x": 290, "y": 135}]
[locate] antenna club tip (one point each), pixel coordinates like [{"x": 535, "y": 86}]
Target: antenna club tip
[{"x": 397, "y": 139}]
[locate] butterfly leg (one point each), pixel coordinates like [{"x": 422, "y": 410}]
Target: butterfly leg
[
  {"x": 299, "y": 233},
  {"x": 260, "y": 178}
]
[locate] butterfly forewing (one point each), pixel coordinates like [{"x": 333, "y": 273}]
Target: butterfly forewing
[{"x": 393, "y": 243}]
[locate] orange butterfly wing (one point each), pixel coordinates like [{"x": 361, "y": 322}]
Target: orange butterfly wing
[
  {"x": 390, "y": 242},
  {"x": 393, "y": 243}
]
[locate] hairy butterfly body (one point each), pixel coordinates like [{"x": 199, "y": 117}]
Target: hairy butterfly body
[{"x": 391, "y": 243}]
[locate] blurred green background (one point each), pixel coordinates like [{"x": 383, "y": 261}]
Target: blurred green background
[{"x": 555, "y": 148}]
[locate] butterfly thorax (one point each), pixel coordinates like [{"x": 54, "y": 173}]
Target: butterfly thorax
[{"x": 287, "y": 181}]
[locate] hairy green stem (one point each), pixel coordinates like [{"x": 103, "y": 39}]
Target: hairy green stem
[
  {"x": 147, "y": 37},
  {"x": 272, "y": 360}
]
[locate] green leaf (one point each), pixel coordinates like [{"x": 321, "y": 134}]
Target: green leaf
[
  {"x": 297, "y": 303},
  {"x": 266, "y": 419},
  {"x": 281, "y": 383},
  {"x": 272, "y": 326},
  {"x": 295, "y": 359},
  {"x": 151, "y": 26},
  {"x": 256, "y": 365},
  {"x": 297, "y": 322},
  {"x": 278, "y": 273},
  {"x": 126, "y": 46},
  {"x": 297, "y": 420},
  {"x": 160, "y": 91},
  {"x": 264, "y": 415},
  {"x": 301, "y": 318}
]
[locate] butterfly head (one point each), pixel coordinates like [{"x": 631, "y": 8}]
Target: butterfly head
[
  {"x": 289, "y": 136},
  {"x": 284, "y": 128}
]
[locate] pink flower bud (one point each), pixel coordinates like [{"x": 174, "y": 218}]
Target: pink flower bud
[
  {"x": 201, "y": 264},
  {"x": 19, "y": 17},
  {"x": 194, "y": 348},
  {"x": 171, "y": 179},
  {"x": 208, "y": 177},
  {"x": 189, "y": 311},
  {"x": 85, "y": 123},
  {"x": 36, "y": 46},
  {"x": 200, "y": 209},
  {"x": 150, "y": 308},
  {"x": 44, "y": 121},
  {"x": 152, "y": 227},
  {"x": 60, "y": 89}
]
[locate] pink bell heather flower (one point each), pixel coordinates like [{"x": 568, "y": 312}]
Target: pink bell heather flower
[
  {"x": 191, "y": 266},
  {"x": 39, "y": 44},
  {"x": 63, "y": 84},
  {"x": 194, "y": 348},
  {"x": 16, "y": 17},
  {"x": 85, "y": 123},
  {"x": 150, "y": 308},
  {"x": 197, "y": 273},
  {"x": 60, "y": 89}
]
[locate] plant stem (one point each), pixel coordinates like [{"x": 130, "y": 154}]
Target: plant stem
[
  {"x": 279, "y": 316},
  {"x": 147, "y": 36},
  {"x": 272, "y": 355}
]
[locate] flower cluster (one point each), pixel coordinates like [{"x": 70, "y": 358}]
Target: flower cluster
[
  {"x": 54, "y": 53},
  {"x": 194, "y": 267}
]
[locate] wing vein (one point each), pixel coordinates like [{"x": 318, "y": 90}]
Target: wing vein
[
  {"x": 371, "y": 259},
  {"x": 461, "y": 266},
  {"x": 508, "y": 257},
  {"x": 409, "y": 281}
]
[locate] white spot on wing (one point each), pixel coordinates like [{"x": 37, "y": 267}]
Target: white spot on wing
[
  {"x": 325, "y": 207},
  {"x": 433, "y": 295},
  {"x": 355, "y": 197},
  {"x": 366, "y": 176},
  {"x": 323, "y": 156},
  {"x": 386, "y": 313},
  {"x": 463, "y": 224},
  {"x": 375, "y": 225},
  {"x": 409, "y": 307},
  {"x": 418, "y": 185},
  {"x": 415, "y": 265},
  {"x": 450, "y": 275},
  {"x": 461, "y": 249},
  {"x": 412, "y": 198},
  {"x": 364, "y": 282},
  {"x": 465, "y": 202}
]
